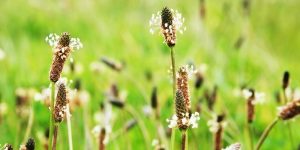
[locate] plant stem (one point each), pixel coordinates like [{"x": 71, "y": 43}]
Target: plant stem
[
  {"x": 51, "y": 115},
  {"x": 250, "y": 135},
  {"x": 101, "y": 139},
  {"x": 140, "y": 123},
  {"x": 69, "y": 128},
  {"x": 173, "y": 72},
  {"x": 183, "y": 140},
  {"x": 265, "y": 134},
  {"x": 174, "y": 92},
  {"x": 55, "y": 137},
  {"x": 289, "y": 127},
  {"x": 173, "y": 134},
  {"x": 29, "y": 125}
]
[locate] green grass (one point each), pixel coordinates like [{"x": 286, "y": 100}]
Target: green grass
[{"x": 119, "y": 29}]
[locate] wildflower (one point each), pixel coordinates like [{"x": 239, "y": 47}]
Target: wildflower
[
  {"x": 211, "y": 97},
  {"x": 169, "y": 21},
  {"x": 61, "y": 101},
  {"x": 216, "y": 123},
  {"x": 43, "y": 96},
  {"x": 186, "y": 121},
  {"x": 290, "y": 110},
  {"x": 62, "y": 45},
  {"x": 112, "y": 64},
  {"x": 8, "y": 147},
  {"x": 235, "y": 146},
  {"x": 199, "y": 74},
  {"x": 30, "y": 145},
  {"x": 285, "y": 80},
  {"x": 182, "y": 83},
  {"x": 130, "y": 124},
  {"x": 259, "y": 97},
  {"x": 2, "y": 54}
]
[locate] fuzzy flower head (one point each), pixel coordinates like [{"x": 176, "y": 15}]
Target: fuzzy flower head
[
  {"x": 186, "y": 120},
  {"x": 168, "y": 21},
  {"x": 258, "y": 97},
  {"x": 216, "y": 123},
  {"x": 235, "y": 146},
  {"x": 54, "y": 40}
]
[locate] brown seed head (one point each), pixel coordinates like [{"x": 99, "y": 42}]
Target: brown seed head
[
  {"x": 250, "y": 106},
  {"x": 168, "y": 27},
  {"x": 182, "y": 85},
  {"x": 60, "y": 104},
  {"x": 285, "y": 80},
  {"x": 30, "y": 145},
  {"x": 154, "y": 101},
  {"x": 290, "y": 110},
  {"x": 62, "y": 51},
  {"x": 181, "y": 109}
]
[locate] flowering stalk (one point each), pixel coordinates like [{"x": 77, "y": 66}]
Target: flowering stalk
[
  {"x": 285, "y": 85},
  {"x": 184, "y": 140},
  {"x": 218, "y": 134},
  {"x": 265, "y": 134},
  {"x": 101, "y": 139},
  {"x": 51, "y": 127},
  {"x": 68, "y": 115},
  {"x": 63, "y": 46}
]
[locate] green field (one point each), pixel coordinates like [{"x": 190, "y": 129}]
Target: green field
[{"x": 119, "y": 30}]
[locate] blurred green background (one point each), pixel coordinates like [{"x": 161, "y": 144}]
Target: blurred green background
[{"x": 119, "y": 30}]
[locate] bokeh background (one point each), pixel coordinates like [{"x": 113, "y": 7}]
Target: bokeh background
[{"x": 269, "y": 43}]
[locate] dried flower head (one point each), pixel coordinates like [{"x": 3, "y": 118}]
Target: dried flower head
[
  {"x": 154, "y": 101},
  {"x": 130, "y": 124},
  {"x": 285, "y": 80},
  {"x": 169, "y": 21},
  {"x": 61, "y": 102},
  {"x": 182, "y": 84},
  {"x": 8, "y": 147},
  {"x": 216, "y": 123},
  {"x": 112, "y": 64},
  {"x": 62, "y": 45},
  {"x": 181, "y": 110},
  {"x": 259, "y": 97},
  {"x": 30, "y": 145},
  {"x": 211, "y": 97},
  {"x": 183, "y": 119},
  {"x": 290, "y": 110}
]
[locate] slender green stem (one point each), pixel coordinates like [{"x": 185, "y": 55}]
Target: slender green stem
[
  {"x": 290, "y": 135},
  {"x": 174, "y": 92},
  {"x": 250, "y": 135},
  {"x": 265, "y": 134},
  {"x": 141, "y": 124},
  {"x": 29, "y": 125},
  {"x": 51, "y": 126},
  {"x": 173, "y": 72},
  {"x": 173, "y": 134},
  {"x": 183, "y": 140},
  {"x": 55, "y": 137},
  {"x": 69, "y": 128}
]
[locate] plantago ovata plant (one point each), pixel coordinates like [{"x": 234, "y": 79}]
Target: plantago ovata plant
[
  {"x": 169, "y": 22},
  {"x": 62, "y": 46}
]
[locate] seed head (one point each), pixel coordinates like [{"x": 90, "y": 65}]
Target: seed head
[
  {"x": 250, "y": 106},
  {"x": 181, "y": 110},
  {"x": 285, "y": 80},
  {"x": 60, "y": 104},
  {"x": 290, "y": 110},
  {"x": 8, "y": 147},
  {"x": 154, "y": 101},
  {"x": 63, "y": 45},
  {"x": 182, "y": 85},
  {"x": 30, "y": 145},
  {"x": 169, "y": 30}
]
